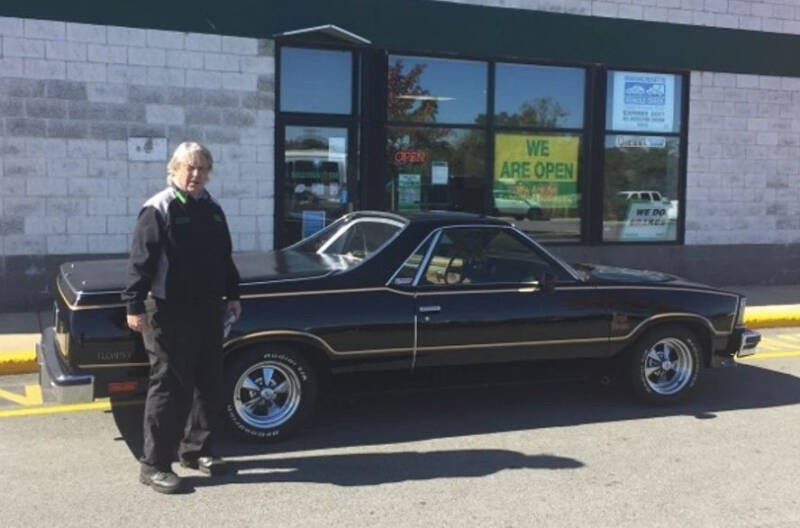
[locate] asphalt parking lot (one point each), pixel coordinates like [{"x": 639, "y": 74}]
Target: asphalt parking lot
[{"x": 556, "y": 454}]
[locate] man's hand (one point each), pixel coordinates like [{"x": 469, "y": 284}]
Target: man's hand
[
  {"x": 137, "y": 323},
  {"x": 236, "y": 308}
]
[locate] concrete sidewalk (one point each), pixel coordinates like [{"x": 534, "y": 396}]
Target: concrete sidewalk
[{"x": 767, "y": 307}]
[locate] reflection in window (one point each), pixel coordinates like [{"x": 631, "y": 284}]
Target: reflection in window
[
  {"x": 428, "y": 90},
  {"x": 539, "y": 96},
  {"x": 316, "y": 179},
  {"x": 641, "y": 188},
  {"x": 347, "y": 242},
  {"x": 315, "y": 80},
  {"x": 436, "y": 168},
  {"x": 361, "y": 239}
]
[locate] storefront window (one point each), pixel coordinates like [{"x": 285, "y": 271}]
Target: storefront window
[
  {"x": 428, "y": 90},
  {"x": 436, "y": 168},
  {"x": 641, "y": 200},
  {"x": 439, "y": 136},
  {"x": 536, "y": 183},
  {"x": 315, "y": 80},
  {"x": 641, "y": 188},
  {"x": 316, "y": 187},
  {"x": 539, "y": 96}
]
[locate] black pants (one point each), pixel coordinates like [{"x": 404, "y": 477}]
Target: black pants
[{"x": 184, "y": 346}]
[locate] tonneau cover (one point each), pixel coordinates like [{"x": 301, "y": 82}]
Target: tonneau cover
[{"x": 109, "y": 276}]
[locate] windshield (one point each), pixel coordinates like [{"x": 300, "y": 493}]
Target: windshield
[{"x": 355, "y": 239}]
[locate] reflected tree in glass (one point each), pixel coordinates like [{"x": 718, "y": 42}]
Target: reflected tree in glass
[
  {"x": 407, "y": 98},
  {"x": 541, "y": 112}
]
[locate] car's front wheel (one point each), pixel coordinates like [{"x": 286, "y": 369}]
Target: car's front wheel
[
  {"x": 664, "y": 365},
  {"x": 270, "y": 391}
]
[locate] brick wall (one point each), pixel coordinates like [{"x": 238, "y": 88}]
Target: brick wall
[
  {"x": 743, "y": 175},
  {"x": 72, "y": 94},
  {"x": 777, "y": 16}
]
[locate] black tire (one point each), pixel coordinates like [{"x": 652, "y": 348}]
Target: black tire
[
  {"x": 664, "y": 365},
  {"x": 274, "y": 414}
]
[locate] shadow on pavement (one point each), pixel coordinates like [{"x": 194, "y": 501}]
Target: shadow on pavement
[
  {"x": 413, "y": 414},
  {"x": 366, "y": 469}
]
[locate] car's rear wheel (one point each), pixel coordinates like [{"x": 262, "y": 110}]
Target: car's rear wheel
[
  {"x": 664, "y": 365},
  {"x": 270, "y": 392},
  {"x": 535, "y": 213}
]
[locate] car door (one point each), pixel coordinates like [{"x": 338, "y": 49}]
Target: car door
[{"x": 479, "y": 299}]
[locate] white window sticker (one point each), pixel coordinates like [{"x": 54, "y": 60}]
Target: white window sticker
[{"x": 643, "y": 101}]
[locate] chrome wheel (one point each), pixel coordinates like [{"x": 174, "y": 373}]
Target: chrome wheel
[
  {"x": 267, "y": 394},
  {"x": 668, "y": 366}
]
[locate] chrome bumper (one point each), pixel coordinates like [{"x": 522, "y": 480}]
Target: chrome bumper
[
  {"x": 67, "y": 388},
  {"x": 750, "y": 340}
]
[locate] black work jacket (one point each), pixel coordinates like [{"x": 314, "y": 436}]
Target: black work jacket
[{"x": 181, "y": 252}]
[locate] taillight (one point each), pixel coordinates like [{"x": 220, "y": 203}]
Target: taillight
[
  {"x": 117, "y": 387},
  {"x": 742, "y": 305}
]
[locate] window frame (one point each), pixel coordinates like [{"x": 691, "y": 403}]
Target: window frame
[
  {"x": 350, "y": 122},
  {"x": 368, "y": 127},
  {"x": 490, "y": 130},
  {"x": 434, "y": 237},
  {"x": 600, "y": 133}
]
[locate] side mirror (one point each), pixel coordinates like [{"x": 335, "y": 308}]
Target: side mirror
[{"x": 547, "y": 282}]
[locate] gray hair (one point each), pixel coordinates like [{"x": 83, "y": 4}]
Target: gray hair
[{"x": 183, "y": 152}]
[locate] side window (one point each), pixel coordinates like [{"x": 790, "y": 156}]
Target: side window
[{"x": 485, "y": 256}]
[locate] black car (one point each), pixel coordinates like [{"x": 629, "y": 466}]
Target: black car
[{"x": 379, "y": 291}]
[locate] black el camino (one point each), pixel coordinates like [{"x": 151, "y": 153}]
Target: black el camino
[{"x": 378, "y": 291}]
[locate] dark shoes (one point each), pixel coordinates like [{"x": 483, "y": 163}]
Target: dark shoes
[
  {"x": 165, "y": 481},
  {"x": 210, "y": 465},
  {"x": 161, "y": 481}
]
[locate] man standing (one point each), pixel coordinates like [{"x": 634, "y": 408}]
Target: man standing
[{"x": 180, "y": 269}]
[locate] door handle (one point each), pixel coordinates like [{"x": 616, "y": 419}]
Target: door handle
[{"x": 430, "y": 309}]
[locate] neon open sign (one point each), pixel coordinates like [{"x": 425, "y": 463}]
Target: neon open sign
[{"x": 410, "y": 156}]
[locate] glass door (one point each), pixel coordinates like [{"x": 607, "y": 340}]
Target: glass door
[{"x": 318, "y": 187}]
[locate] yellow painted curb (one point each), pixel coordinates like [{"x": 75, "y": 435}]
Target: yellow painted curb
[
  {"x": 18, "y": 363},
  {"x": 774, "y": 316}
]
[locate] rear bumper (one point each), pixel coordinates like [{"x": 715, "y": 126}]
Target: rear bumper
[
  {"x": 748, "y": 342},
  {"x": 67, "y": 388}
]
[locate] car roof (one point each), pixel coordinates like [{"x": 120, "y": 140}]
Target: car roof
[{"x": 433, "y": 218}]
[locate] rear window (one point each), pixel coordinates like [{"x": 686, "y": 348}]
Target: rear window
[{"x": 355, "y": 239}]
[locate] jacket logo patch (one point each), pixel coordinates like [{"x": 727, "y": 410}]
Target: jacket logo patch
[
  {"x": 217, "y": 218},
  {"x": 181, "y": 220}
]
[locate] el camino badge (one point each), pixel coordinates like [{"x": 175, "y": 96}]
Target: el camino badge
[{"x": 114, "y": 355}]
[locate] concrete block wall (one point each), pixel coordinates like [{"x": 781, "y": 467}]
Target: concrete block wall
[
  {"x": 743, "y": 165},
  {"x": 71, "y": 95},
  {"x": 776, "y": 16}
]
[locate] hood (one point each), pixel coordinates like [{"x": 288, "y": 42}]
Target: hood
[{"x": 600, "y": 273}]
